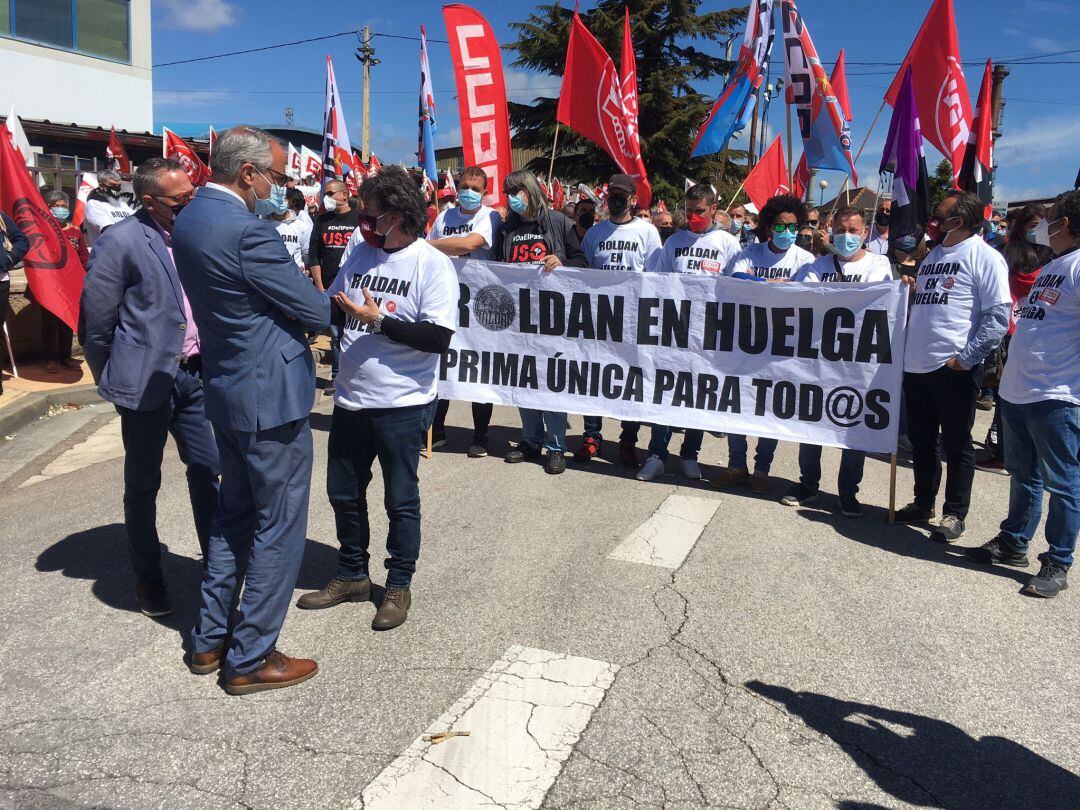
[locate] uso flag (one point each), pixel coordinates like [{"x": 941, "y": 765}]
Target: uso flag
[{"x": 53, "y": 269}]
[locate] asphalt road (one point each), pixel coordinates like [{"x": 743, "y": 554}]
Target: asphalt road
[{"x": 794, "y": 659}]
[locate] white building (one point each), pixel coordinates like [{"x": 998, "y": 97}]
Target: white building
[{"x": 85, "y": 62}]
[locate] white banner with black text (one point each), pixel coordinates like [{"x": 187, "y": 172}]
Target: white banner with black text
[{"x": 814, "y": 363}]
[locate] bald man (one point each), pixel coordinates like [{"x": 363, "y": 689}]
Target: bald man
[{"x": 329, "y": 238}]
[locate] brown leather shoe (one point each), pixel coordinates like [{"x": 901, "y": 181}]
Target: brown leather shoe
[
  {"x": 206, "y": 663},
  {"x": 337, "y": 590},
  {"x": 394, "y": 609},
  {"x": 277, "y": 672}
]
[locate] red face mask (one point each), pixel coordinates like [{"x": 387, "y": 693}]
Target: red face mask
[
  {"x": 368, "y": 232},
  {"x": 933, "y": 230},
  {"x": 698, "y": 223}
]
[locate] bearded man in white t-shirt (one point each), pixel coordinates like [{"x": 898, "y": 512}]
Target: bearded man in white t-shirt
[
  {"x": 1040, "y": 410},
  {"x": 464, "y": 231},
  {"x": 959, "y": 312},
  {"x": 850, "y": 264},
  {"x": 399, "y": 296}
]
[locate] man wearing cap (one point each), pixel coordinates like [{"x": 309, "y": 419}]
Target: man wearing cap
[{"x": 626, "y": 243}]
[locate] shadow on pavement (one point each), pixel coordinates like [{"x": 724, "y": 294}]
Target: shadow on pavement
[
  {"x": 929, "y": 762},
  {"x": 100, "y": 555},
  {"x": 873, "y": 530}
]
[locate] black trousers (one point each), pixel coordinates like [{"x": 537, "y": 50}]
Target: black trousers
[
  {"x": 481, "y": 417},
  {"x": 943, "y": 401},
  {"x": 5, "y": 291}
]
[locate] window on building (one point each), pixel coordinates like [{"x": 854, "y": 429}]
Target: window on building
[{"x": 95, "y": 27}]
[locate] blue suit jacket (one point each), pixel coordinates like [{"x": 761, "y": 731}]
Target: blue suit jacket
[
  {"x": 131, "y": 318},
  {"x": 252, "y": 306}
]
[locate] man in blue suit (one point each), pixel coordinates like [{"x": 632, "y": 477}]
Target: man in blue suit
[
  {"x": 253, "y": 306},
  {"x": 143, "y": 348}
]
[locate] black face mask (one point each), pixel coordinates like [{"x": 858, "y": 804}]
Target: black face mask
[
  {"x": 805, "y": 241},
  {"x": 665, "y": 232},
  {"x": 617, "y": 205},
  {"x": 176, "y": 208},
  {"x": 882, "y": 219},
  {"x": 586, "y": 219},
  {"x": 112, "y": 191}
]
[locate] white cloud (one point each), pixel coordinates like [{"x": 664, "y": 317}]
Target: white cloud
[
  {"x": 199, "y": 15},
  {"x": 1047, "y": 45},
  {"x": 447, "y": 136},
  {"x": 1046, "y": 7},
  {"x": 1038, "y": 141},
  {"x": 522, "y": 86},
  {"x": 195, "y": 98}
]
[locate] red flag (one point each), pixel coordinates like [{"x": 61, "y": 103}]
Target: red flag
[
  {"x": 975, "y": 171},
  {"x": 628, "y": 72},
  {"x": 591, "y": 104},
  {"x": 213, "y": 137},
  {"x": 769, "y": 177},
  {"x": 115, "y": 152},
  {"x": 478, "y": 73},
  {"x": 176, "y": 148},
  {"x": 801, "y": 180},
  {"x": 558, "y": 194},
  {"x": 662, "y": 207},
  {"x": 374, "y": 165},
  {"x": 838, "y": 80},
  {"x": 52, "y": 266},
  {"x": 941, "y": 93}
]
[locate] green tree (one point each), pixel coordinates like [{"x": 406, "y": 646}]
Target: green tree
[
  {"x": 665, "y": 33},
  {"x": 940, "y": 183}
]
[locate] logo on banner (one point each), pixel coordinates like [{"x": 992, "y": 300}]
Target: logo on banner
[
  {"x": 952, "y": 129},
  {"x": 494, "y": 308},
  {"x": 35, "y": 223},
  {"x": 612, "y": 121}
]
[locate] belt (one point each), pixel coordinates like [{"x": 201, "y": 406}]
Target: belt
[{"x": 192, "y": 364}]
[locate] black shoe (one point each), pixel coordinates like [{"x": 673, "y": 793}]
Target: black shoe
[
  {"x": 997, "y": 552},
  {"x": 985, "y": 402},
  {"x": 328, "y": 391},
  {"x": 850, "y": 506},
  {"x": 950, "y": 529},
  {"x": 479, "y": 447},
  {"x": 799, "y": 496},
  {"x": 913, "y": 513},
  {"x": 523, "y": 451},
  {"x": 1051, "y": 579},
  {"x": 438, "y": 438},
  {"x": 153, "y": 599},
  {"x": 555, "y": 463}
]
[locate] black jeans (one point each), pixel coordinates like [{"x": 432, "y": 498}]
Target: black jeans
[
  {"x": 943, "y": 401},
  {"x": 481, "y": 417},
  {"x": 55, "y": 337},
  {"x": 5, "y": 291},
  {"x": 357, "y": 438}
]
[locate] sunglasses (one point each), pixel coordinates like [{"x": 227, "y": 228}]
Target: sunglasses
[{"x": 791, "y": 227}]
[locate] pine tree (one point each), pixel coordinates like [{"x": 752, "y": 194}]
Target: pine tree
[
  {"x": 940, "y": 183},
  {"x": 670, "y": 110}
]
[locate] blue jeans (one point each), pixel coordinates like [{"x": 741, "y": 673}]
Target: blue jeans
[
  {"x": 144, "y": 434},
  {"x": 594, "y": 424},
  {"x": 851, "y": 469},
  {"x": 661, "y": 438},
  {"x": 357, "y": 438},
  {"x": 546, "y": 428},
  {"x": 763, "y": 456},
  {"x": 1042, "y": 443},
  {"x": 256, "y": 543}
]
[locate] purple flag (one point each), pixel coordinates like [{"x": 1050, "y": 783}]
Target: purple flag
[{"x": 905, "y": 159}]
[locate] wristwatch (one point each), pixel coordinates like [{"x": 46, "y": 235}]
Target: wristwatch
[{"x": 376, "y": 325}]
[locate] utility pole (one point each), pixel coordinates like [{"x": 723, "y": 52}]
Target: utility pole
[
  {"x": 365, "y": 54},
  {"x": 997, "y": 104}
]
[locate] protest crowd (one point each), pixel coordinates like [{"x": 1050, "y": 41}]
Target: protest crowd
[{"x": 200, "y": 302}]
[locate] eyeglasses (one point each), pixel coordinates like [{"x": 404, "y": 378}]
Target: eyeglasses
[
  {"x": 277, "y": 177},
  {"x": 791, "y": 227},
  {"x": 512, "y": 192},
  {"x": 813, "y": 222},
  {"x": 178, "y": 199}
]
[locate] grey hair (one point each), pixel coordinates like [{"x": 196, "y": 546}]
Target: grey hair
[
  {"x": 528, "y": 182},
  {"x": 147, "y": 178},
  {"x": 108, "y": 175},
  {"x": 52, "y": 197},
  {"x": 240, "y": 145}
]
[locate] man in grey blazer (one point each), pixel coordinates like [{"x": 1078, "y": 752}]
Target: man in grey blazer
[
  {"x": 142, "y": 346},
  {"x": 253, "y": 306}
]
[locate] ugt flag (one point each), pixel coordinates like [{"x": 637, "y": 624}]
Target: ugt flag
[
  {"x": 732, "y": 107},
  {"x": 425, "y": 150},
  {"x": 176, "y": 148},
  {"x": 825, "y": 134},
  {"x": 53, "y": 269}
]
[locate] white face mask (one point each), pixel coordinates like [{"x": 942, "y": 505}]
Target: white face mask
[
  {"x": 329, "y": 203},
  {"x": 1042, "y": 231}
]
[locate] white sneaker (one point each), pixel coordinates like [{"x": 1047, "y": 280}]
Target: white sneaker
[
  {"x": 652, "y": 469},
  {"x": 691, "y": 470}
]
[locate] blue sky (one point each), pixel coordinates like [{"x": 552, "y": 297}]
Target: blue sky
[{"x": 1037, "y": 154}]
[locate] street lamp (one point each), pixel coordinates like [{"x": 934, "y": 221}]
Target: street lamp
[{"x": 822, "y": 185}]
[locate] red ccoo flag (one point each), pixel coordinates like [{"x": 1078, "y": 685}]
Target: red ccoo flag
[
  {"x": 175, "y": 147},
  {"x": 975, "y": 171},
  {"x": 116, "y": 153},
  {"x": 591, "y": 103},
  {"x": 52, "y": 266},
  {"x": 941, "y": 92},
  {"x": 769, "y": 177}
]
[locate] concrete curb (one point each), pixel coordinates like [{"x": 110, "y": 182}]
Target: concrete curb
[{"x": 28, "y": 408}]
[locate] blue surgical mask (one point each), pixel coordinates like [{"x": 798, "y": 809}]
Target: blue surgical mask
[
  {"x": 61, "y": 214},
  {"x": 517, "y": 204},
  {"x": 1032, "y": 236},
  {"x": 847, "y": 244},
  {"x": 469, "y": 200},
  {"x": 746, "y": 226},
  {"x": 735, "y": 226},
  {"x": 275, "y": 203},
  {"x": 784, "y": 240}
]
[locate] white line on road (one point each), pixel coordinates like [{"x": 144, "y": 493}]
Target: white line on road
[
  {"x": 524, "y": 716},
  {"x": 103, "y": 444},
  {"x": 669, "y": 534}
]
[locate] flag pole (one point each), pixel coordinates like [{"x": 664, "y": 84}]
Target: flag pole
[
  {"x": 723, "y": 166},
  {"x": 738, "y": 191},
  {"x": 554, "y": 143},
  {"x": 789, "y": 177},
  {"x": 866, "y": 140},
  {"x": 892, "y": 489}
]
